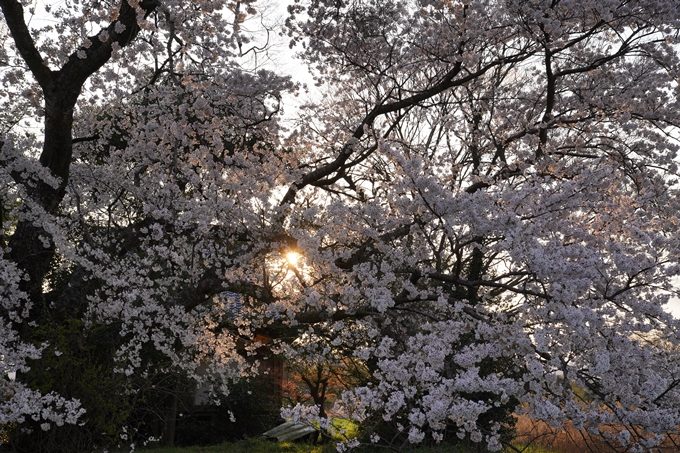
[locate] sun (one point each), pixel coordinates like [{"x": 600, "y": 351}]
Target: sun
[{"x": 293, "y": 258}]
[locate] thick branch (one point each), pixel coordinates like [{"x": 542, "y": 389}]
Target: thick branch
[
  {"x": 78, "y": 69},
  {"x": 14, "y": 17},
  {"x": 449, "y": 81}
]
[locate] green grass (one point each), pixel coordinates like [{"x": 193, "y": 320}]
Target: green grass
[
  {"x": 265, "y": 446},
  {"x": 344, "y": 429},
  {"x": 248, "y": 446}
]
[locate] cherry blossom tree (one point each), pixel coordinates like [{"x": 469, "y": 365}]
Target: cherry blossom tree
[
  {"x": 485, "y": 206},
  {"x": 510, "y": 166}
]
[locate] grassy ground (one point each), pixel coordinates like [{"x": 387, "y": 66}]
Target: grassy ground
[
  {"x": 248, "y": 446},
  {"x": 264, "y": 446},
  {"x": 349, "y": 429}
]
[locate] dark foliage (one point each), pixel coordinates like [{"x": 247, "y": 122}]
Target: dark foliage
[{"x": 248, "y": 411}]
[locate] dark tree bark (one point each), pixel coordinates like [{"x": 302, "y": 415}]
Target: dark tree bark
[{"x": 31, "y": 246}]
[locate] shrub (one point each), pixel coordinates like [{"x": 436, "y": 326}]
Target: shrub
[{"x": 77, "y": 364}]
